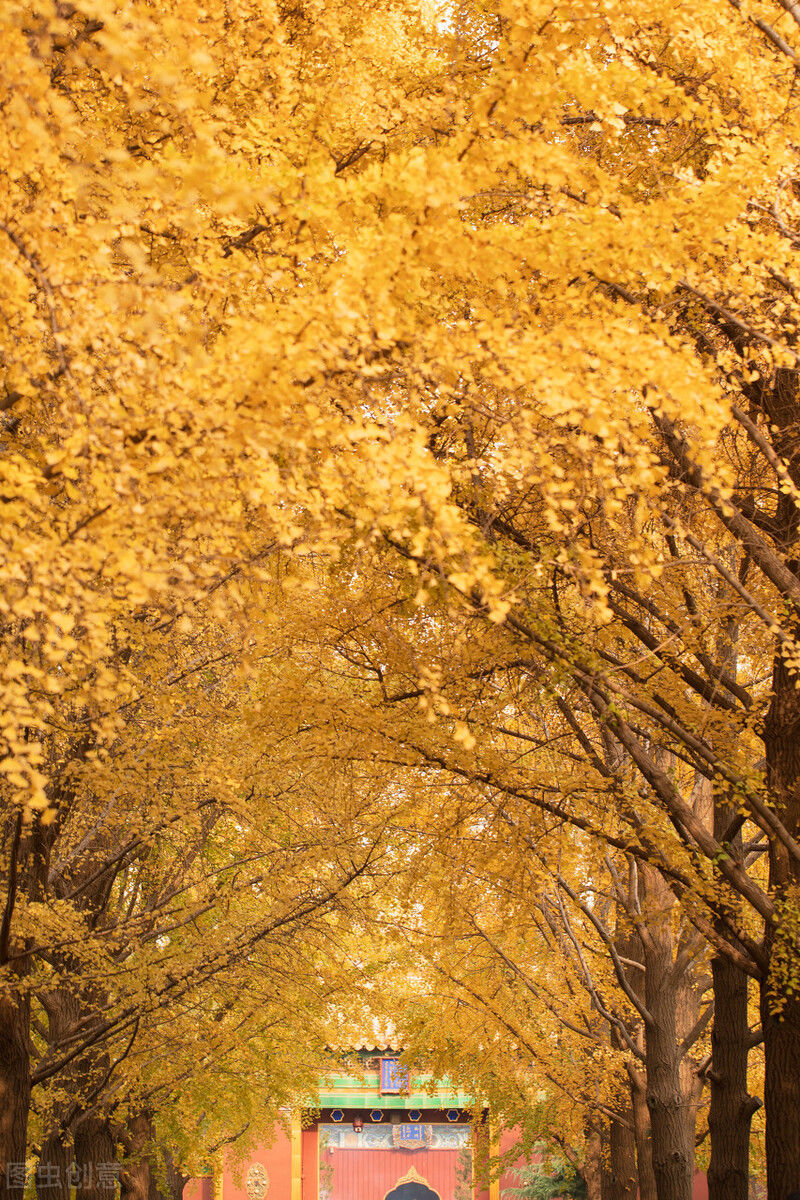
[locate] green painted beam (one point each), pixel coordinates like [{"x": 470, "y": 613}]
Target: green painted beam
[
  {"x": 371, "y": 1082},
  {"x": 375, "y": 1100}
]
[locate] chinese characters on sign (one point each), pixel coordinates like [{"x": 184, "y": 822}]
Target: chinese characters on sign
[
  {"x": 394, "y": 1078},
  {"x": 412, "y": 1137}
]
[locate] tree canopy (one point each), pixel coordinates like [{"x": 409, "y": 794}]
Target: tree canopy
[{"x": 400, "y": 495}]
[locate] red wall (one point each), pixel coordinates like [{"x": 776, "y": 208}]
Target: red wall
[
  {"x": 199, "y": 1189},
  {"x": 370, "y": 1174},
  {"x": 700, "y": 1186},
  {"x": 310, "y": 1167},
  {"x": 509, "y": 1178},
  {"x": 350, "y": 1183},
  {"x": 277, "y": 1158}
]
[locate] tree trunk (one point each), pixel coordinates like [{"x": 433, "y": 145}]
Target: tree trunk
[
  {"x": 25, "y": 876},
  {"x": 781, "y": 1094},
  {"x": 689, "y": 1009},
  {"x": 781, "y": 1021},
  {"x": 619, "y": 1181},
  {"x": 731, "y": 1109},
  {"x": 619, "y": 1164},
  {"x": 606, "y": 1177},
  {"x": 15, "y": 1092},
  {"x": 54, "y": 1169},
  {"x": 643, "y": 1137},
  {"x": 593, "y": 1170},
  {"x": 673, "y": 1156},
  {"x": 623, "y": 1143},
  {"x": 135, "y": 1180},
  {"x": 176, "y": 1180},
  {"x": 96, "y": 1167},
  {"x": 143, "y": 1175}
]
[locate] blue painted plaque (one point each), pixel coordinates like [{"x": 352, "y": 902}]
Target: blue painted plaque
[
  {"x": 394, "y": 1078},
  {"x": 410, "y": 1133}
]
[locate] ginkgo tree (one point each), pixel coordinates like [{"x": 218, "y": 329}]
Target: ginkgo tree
[
  {"x": 507, "y": 289},
  {"x": 601, "y": 460},
  {"x": 563, "y": 970},
  {"x": 141, "y": 500},
  {"x": 222, "y": 901},
  {"x": 227, "y": 916}
]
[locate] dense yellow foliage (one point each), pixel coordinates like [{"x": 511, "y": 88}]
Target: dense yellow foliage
[{"x": 500, "y": 301}]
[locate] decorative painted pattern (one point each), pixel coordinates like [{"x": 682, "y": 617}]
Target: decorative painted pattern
[
  {"x": 256, "y": 1182},
  {"x": 384, "y": 1137}
]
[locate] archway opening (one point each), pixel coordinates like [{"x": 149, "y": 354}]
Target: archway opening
[{"x": 412, "y": 1189}]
